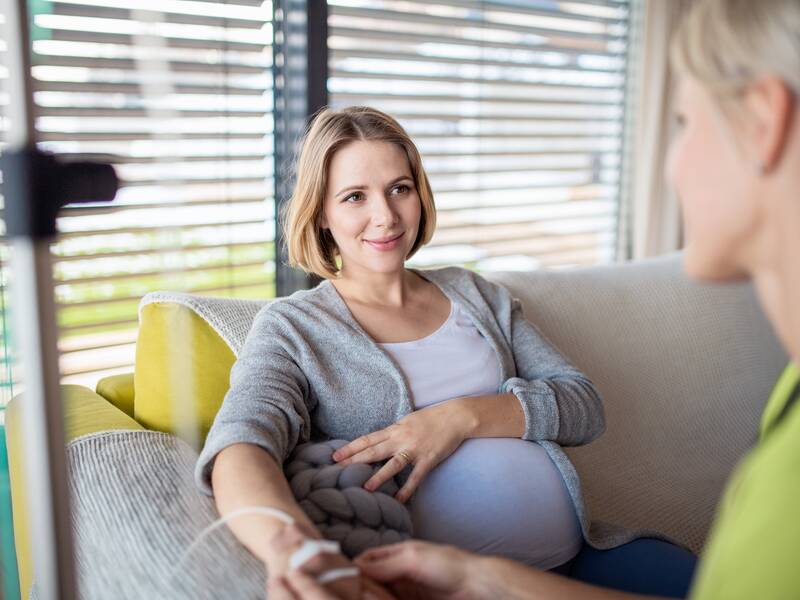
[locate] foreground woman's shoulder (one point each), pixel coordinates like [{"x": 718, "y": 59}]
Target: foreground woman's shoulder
[{"x": 752, "y": 549}]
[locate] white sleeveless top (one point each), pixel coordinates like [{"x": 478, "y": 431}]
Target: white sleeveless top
[{"x": 499, "y": 496}]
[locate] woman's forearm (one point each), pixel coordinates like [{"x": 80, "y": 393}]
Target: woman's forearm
[
  {"x": 246, "y": 475},
  {"x": 501, "y": 578},
  {"x": 498, "y": 415}
]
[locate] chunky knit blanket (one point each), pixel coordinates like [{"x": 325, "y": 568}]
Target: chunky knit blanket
[{"x": 333, "y": 497}]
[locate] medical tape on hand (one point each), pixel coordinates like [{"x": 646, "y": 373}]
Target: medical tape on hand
[
  {"x": 310, "y": 549},
  {"x": 336, "y": 574}
]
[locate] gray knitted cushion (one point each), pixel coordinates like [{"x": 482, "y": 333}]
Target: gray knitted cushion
[{"x": 334, "y": 499}]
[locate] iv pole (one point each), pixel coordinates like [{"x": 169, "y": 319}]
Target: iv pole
[{"x": 36, "y": 185}]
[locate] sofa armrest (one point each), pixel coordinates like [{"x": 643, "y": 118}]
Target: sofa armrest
[
  {"x": 84, "y": 412},
  {"x": 118, "y": 389}
]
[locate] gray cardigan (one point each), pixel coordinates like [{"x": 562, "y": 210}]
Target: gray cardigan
[{"x": 308, "y": 369}]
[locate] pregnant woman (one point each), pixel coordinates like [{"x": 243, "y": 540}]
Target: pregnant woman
[{"x": 437, "y": 372}]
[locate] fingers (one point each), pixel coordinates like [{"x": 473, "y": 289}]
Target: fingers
[
  {"x": 392, "y": 467},
  {"x": 379, "y": 553},
  {"x": 412, "y": 483},
  {"x": 372, "y": 590},
  {"x": 443, "y": 571},
  {"x": 359, "y": 445},
  {"x": 296, "y": 585},
  {"x": 373, "y": 454},
  {"x": 388, "y": 563}
]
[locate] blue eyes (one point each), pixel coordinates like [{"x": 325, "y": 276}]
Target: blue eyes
[{"x": 398, "y": 190}]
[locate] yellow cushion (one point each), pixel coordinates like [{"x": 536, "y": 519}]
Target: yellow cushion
[
  {"x": 182, "y": 371},
  {"x": 118, "y": 389},
  {"x": 84, "y": 412}
]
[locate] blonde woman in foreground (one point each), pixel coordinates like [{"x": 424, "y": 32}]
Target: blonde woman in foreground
[{"x": 736, "y": 167}]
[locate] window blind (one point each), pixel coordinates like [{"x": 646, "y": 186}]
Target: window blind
[
  {"x": 517, "y": 108},
  {"x": 178, "y": 95}
]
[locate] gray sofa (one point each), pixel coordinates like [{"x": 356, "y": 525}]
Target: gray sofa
[{"x": 684, "y": 369}]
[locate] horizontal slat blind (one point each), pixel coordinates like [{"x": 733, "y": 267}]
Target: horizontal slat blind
[
  {"x": 517, "y": 108},
  {"x": 179, "y": 94}
]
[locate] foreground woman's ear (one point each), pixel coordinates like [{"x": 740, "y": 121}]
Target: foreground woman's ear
[{"x": 770, "y": 105}]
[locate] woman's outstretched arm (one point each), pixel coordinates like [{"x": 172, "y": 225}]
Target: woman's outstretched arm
[
  {"x": 245, "y": 475},
  {"x": 447, "y": 573}
]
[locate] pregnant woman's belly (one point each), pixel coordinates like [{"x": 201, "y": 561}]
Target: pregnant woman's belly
[{"x": 499, "y": 496}]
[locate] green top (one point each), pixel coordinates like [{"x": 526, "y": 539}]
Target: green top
[{"x": 754, "y": 548}]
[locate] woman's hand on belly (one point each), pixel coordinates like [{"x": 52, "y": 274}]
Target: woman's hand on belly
[{"x": 423, "y": 439}]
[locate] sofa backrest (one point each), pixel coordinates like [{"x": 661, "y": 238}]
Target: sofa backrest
[{"x": 684, "y": 369}]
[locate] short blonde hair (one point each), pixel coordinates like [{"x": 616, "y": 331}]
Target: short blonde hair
[
  {"x": 726, "y": 44},
  {"x": 309, "y": 246}
]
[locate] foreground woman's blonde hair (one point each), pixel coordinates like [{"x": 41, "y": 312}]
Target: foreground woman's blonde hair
[
  {"x": 309, "y": 246},
  {"x": 726, "y": 44}
]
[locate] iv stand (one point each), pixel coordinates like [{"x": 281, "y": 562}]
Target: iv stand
[{"x": 36, "y": 185}]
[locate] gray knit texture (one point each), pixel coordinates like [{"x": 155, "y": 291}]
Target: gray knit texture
[
  {"x": 231, "y": 318},
  {"x": 334, "y": 499},
  {"x": 136, "y": 510}
]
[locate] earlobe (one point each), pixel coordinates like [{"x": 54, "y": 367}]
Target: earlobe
[{"x": 772, "y": 106}]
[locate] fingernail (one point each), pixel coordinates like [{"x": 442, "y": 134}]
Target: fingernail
[{"x": 336, "y": 455}]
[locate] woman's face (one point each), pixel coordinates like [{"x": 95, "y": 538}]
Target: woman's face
[
  {"x": 371, "y": 206},
  {"x": 715, "y": 185}
]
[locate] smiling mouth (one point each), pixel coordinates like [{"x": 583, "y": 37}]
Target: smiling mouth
[{"x": 386, "y": 241}]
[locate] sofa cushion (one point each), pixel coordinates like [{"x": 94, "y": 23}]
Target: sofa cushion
[
  {"x": 84, "y": 413},
  {"x": 136, "y": 512},
  {"x": 118, "y": 389},
  {"x": 184, "y": 353}
]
